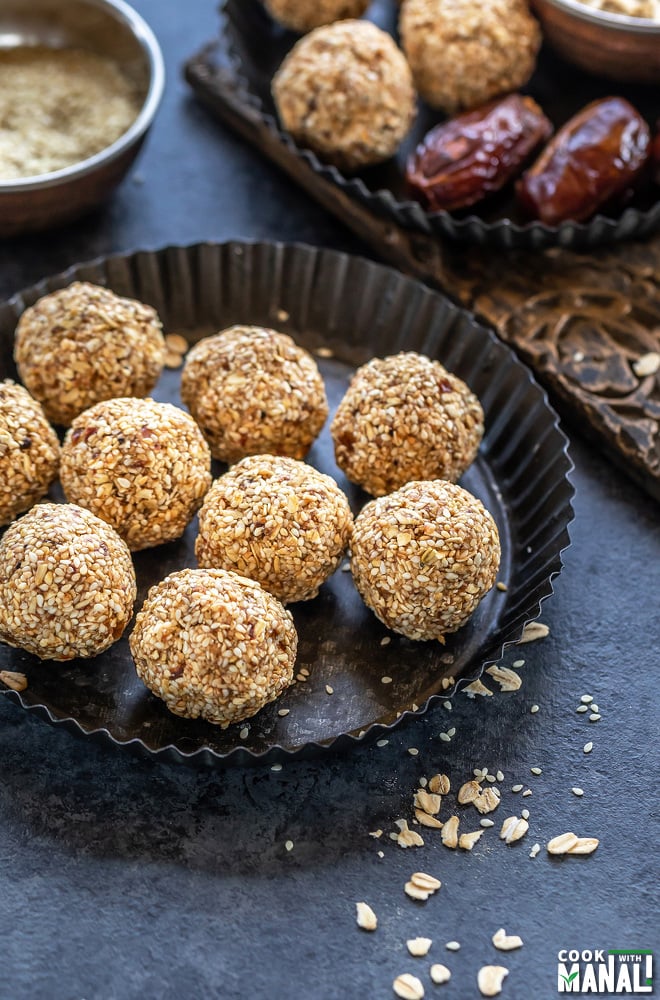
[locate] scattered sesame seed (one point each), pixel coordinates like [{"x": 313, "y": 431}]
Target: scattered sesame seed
[
  {"x": 386, "y": 640},
  {"x": 423, "y": 782},
  {"x": 518, "y": 664},
  {"x": 586, "y": 699},
  {"x": 516, "y": 788},
  {"x": 491, "y": 778},
  {"x": 595, "y": 717},
  {"x": 577, "y": 791},
  {"x": 346, "y": 568},
  {"x": 500, "y": 776},
  {"x": 381, "y": 854},
  {"x": 283, "y": 711},
  {"x": 535, "y": 850},
  {"x": 486, "y": 822},
  {"x": 452, "y": 731},
  {"x": 588, "y": 747},
  {"x": 501, "y": 586},
  {"x": 447, "y": 705},
  {"x": 289, "y": 845},
  {"x": 525, "y": 814},
  {"x": 453, "y": 946},
  {"x": 445, "y": 737},
  {"x": 329, "y": 690},
  {"x": 413, "y": 751},
  {"x": 382, "y": 743},
  {"x": 244, "y": 733},
  {"x": 386, "y": 680},
  {"x": 527, "y": 793},
  {"x": 414, "y": 707},
  {"x": 276, "y": 767},
  {"x": 536, "y": 770},
  {"x": 582, "y": 708},
  {"x": 534, "y": 709}
]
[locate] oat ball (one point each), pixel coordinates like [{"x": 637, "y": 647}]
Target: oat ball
[
  {"x": 346, "y": 91},
  {"x": 29, "y": 451},
  {"x": 405, "y": 417},
  {"x": 278, "y": 521},
  {"x": 464, "y": 53},
  {"x": 423, "y": 557},
  {"x": 213, "y": 645},
  {"x": 253, "y": 390},
  {"x": 142, "y": 466},
  {"x": 82, "y": 344},
  {"x": 67, "y": 584},
  {"x": 303, "y": 15}
]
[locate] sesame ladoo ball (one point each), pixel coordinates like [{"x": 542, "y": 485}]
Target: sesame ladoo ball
[
  {"x": 67, "y": 583},
  {"x": 423, "y": 558},
  {"x": 213, "y": 645},
  {"x": 278, "y": 521},
  {"x": 304, "y": 15},
  {"x": 464, "y": 53},
  {"x": 142, "y": 466},
  {"x": 82, "y": 344},
  {"x": 253, "y": 390},
  {"x": 405, "y": 417},
  {"x": 29, "y": 451},
  {"x": 346, "y": 91}
]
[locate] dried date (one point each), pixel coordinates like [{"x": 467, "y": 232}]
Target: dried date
[
  {"x": 595, "y": 158},
  {"x": 463, "y": 160}
]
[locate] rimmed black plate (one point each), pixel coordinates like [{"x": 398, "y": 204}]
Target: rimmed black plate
[
  {"x": 256, "y": 46},
  {"x": 355, "y": 309}
]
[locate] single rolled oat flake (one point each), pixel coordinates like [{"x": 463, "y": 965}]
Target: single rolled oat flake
[
  {"x": 562, "y": 844},
  {"x": 419, "y": 947},
  {"x": 427, "y": 820},
  {"x": 467, "y": 841},
  {"x": 490, "y": 979},
  {"x": 408, "y": 987},
  {"x": 513, "y": 829},
  {"x": 507, "y": 679},
  {"x": 440, "y": 784},
  {"x": 506, "y": 942},
  {"x": 533, "y": 631},
  {"x": 647, "y": 364},
  {"x": 14, "y": 680},
  {"x": 439, "y": 974},
  {"x": 449, "y": 835},
  {"x": 585, "y": 845},
  {"x": 366, "y": 918},
  {"x": 425, "y": 881}
]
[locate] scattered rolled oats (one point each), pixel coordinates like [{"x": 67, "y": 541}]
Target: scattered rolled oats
[
  {"x": 439, "y": 974},
  {"x": 513, "y": 829},
  {"x": 176, "y": 343},
  {"x": 535, "y": 850},
  {"x": 376, "y": 833},
  {"x": 507, "y": 679},
  {"x": 647, "y": 364},
  {"x": 490, "y": 979},
  {"x": 533, "y": 631},
  {"x": 476, "y": 687},
  {"x": 428, "y": 802},
  {"x": 584, "y": 845},
  {"x": 424, "y": 881},
  {"x": 408, "y": 987},
  {"x": 506, "y": 942},
  {"x": 415, "y": 892},
  {"x": 14, "y": 680},
  {"x": 439, "y": 784},
  {"x": 562, "y": 844},
  {"x": 501, "y": 586},
  {"x": 469, "y": 792},
  {"x": 467, "y": 840},
  {"x": 419, "y": 947},
  {"x": 407, "y": 837},
  {"x": 366, "y": 918},
  {"x": 424, "y": 819},
  {"x": 487, "y": 801},
  {"x": 449, "y": 835}
]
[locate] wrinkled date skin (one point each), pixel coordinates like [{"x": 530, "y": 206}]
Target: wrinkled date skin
[
  {"x": 473, "y": 155},
  {"x": 594, "y": 158}
]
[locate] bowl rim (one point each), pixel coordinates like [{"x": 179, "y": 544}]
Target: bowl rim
[
  {"x": 150, "y": 46},
  {"x": 604, "y": 18}
]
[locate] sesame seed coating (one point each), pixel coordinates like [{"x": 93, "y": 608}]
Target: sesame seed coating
[
  {"x": 213, "y": 644},
  {"x": 303, "y": 15},
  {"x": 346, "y": 91},
  {"x": 82, "y": 344},
  {"x": 278, "y": 521},
  {"x": 404, "y": 418},
  {"x": 142, "y": 466},
  {"x": 67, "y": 584},
  {"x": 253, "y": 390},
  {"x": 29, "y": 451},
  {"x": 423, "y": 557}
]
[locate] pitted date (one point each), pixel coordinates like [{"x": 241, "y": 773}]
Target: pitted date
[
  {"x": 595, "y": 158},
  {"x": 473, "y": 155}
]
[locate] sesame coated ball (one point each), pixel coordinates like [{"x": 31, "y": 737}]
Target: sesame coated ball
[
  {"x": 213, "y": 645},
  {"x": 253, "y": 390},
  {"x": 278, "y": 521},
  {"x": 463, "y": 54},
  {"x": 346, "y": 91},
  {"x": 142, "y": 466},
  {"x": 82, "y": 344},
  {"x": 67, "y": 584},
  {"x": 29, "y": 451},
  {"x": 405, "y": 417},
  {"x": 423, "y": 558},
  {"x": 303, "y": 15}
]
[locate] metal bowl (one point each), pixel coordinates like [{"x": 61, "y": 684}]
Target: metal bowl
[
  {"x": 611, "y": 45},
  {"x": 109, "y": 28}
]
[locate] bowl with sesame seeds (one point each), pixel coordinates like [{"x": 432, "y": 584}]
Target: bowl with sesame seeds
[{"x": 353, "y": 678}]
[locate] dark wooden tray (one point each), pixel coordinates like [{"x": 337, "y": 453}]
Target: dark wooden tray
[{"x": 580, "y": 320}]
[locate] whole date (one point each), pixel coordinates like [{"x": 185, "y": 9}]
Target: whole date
[
  {"x": 596, "y": 157},
  {"x": 475, "y": 154}
]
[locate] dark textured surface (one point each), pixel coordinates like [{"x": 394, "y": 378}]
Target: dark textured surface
[{"x": 125, "y": 879}]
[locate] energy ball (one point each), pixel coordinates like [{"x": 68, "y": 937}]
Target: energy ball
[
  {"x": 277, "y": 521},
  {"x": 423, "y": 557},
  {"x": 82, "y": 344},
  {"x": 29, "y": 451},
  {"x": 464, "y": 53},
  {"x": 253, "y": 390},
  {"x": 303, "y": 15},
  {"x": 142, "y": 466},
  {"x": 213, "y": 644},
  {"x": 67, "y": 584},
  {"x": 346, "y": 91},
  {"x": 405, "y": 417}
]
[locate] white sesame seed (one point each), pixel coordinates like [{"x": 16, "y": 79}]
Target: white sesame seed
[
  {"x": 447, "y": 705},
  {"x": 500, "y": 776},
  {"x": 491, "y": 778},
  {"x": 518, "y": 663},
  {"x": 445, "y": 737},
  {"x": 516, "y": 788},
  {"x": 346, "y": 568},
  {"x": 594, "y": 707},
  {"x": 452, "y": 731},
  {"x": 534, "y": 709},
  {"x": 586, "y": 699},
  {"x": 536, "y": 770},
  {"x": 386, "y": 640},
  {"x": 283, "y": 711},
  {"x": 588, "y": 747},
  {"x": 386, "y": 680},
  {"x": 289, "y": 845},
  {"x": 527, "y": 793},
  {"x": 582, "y": 708},
  {"x": 276, "y": 767},
  {"x": 244, "y": 733},
  {"x": 525, "y": 814},
  {"x": 423, "y": 782},
  {"x": 577, "y": 791},
  {"x": 382, "y": 743},
  {"x": 381, "y": 854},
  {"x": 413, "y": 751},
  {"x": 595, "y": 717},
  {"x": 486, "y": 822},
  {"x": 329, "y": 690},
  {"x": 452, "y": 945}
]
